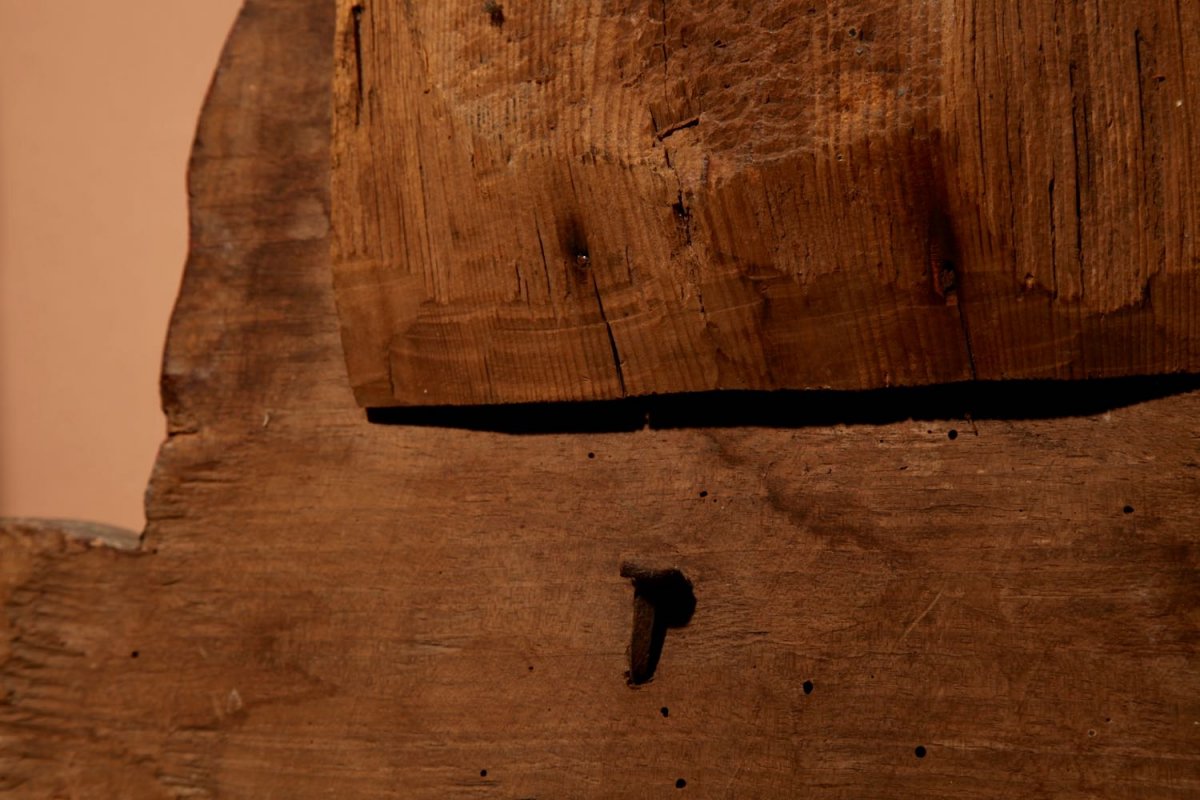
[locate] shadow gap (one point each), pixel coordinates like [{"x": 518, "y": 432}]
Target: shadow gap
[{"x": 977, "y": 400}]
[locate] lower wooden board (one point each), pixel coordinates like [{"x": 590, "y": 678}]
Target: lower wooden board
[{"x": 326, "y": 607}]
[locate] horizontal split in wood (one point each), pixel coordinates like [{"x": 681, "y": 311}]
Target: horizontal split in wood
[{"x": 997, "y": 400}]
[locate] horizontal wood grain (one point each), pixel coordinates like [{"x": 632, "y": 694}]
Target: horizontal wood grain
[
  {"x": 326, "y": 607},
  {"x": 599, "y": 199}
]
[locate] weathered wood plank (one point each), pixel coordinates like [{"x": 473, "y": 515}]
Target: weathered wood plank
[
  {"x": 326, "y": 607},
  {"x": 595, "y": 199}
]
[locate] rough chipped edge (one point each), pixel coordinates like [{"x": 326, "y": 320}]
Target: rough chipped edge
[{"x": 94, "y": 534}]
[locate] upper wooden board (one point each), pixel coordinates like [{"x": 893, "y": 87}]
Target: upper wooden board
[{"x": 558, "y": 201}]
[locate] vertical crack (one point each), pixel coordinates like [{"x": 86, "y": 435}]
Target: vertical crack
[
  {"x": 391, "y": 367},
  {"x": 966, "y": 329},
  {"x": 1137, "y": 55},
  {"x": 356, "y": 13},
  {"x": 1078, "y": 109},
  {"x": 1150, "y": 160},
  {"x": 666, "y": 55},
  {"x": 522, "y": 287},
  {"x": 545, "y": 264},
  {"x": 1053, "y": 244},
  {"x": 612, "y": 340},
  {"x": 944, "y": 262}
]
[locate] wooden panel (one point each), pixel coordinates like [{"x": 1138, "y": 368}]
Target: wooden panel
[
  {"x": 603, "y": 198},
  {"x": 323, "y": 607}
]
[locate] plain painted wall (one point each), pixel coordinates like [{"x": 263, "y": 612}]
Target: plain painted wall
[{"x": 98, "y": 105}]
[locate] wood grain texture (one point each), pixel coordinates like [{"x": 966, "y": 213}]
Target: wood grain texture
[
  {"x": 323, "y": 607},
  {"x": 604, "y": 198}
]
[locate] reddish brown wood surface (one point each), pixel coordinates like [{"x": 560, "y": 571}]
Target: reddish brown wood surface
[
  {"x": 323, "y": 607},
  {"x": 595, "y": 199}
]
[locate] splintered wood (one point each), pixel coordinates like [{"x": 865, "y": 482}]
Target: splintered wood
[{"x": 557, "y": 201}]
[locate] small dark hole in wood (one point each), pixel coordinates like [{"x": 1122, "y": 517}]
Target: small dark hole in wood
[
  {"x": 666, "y": 712},
  {"x": 483, "y": 773},
  {"x": 1128, "y": 509},
  {"x": 134, "y": 654},
  {"x": 703, "y": 494},
  {"x": 495, "y": 12},
  {"x": 679, "y": 784},
  {"x": 573, "y": 240},
  {"x": 852, "y": 33},
  {"x": 920, "y": 751},
  {"x": 947, "y": 278},
  {"x": 953, "y": 434},
  {"x": 591, "y": 455},
  {"x": 531, "y": 667},
  {"x": 808, "y": 687}
]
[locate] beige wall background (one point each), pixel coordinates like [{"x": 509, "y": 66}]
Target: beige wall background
[{"x": 98, "y": 103}]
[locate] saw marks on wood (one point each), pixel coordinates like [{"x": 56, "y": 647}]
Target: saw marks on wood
[{"x": 588, "y": 200}]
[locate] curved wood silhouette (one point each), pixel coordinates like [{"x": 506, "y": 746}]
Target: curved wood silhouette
[{"x": 325, "y": 607}]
